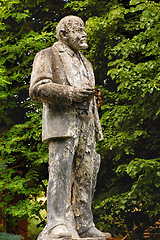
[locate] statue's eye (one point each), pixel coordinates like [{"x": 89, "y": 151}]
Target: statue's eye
[{"x": 80, "y": 30}]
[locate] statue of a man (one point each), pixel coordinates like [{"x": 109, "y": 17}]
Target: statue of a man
[{"x": 63, "y": 80}]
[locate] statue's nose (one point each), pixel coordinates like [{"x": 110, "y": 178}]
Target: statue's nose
[{"x": 84, "y": 34}]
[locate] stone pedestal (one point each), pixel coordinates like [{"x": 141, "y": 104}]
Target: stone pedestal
[
  {"x": 45, "y": 236},
  {"x": 48, "y": 238}
]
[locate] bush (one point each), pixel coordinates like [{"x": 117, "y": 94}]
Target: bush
[{"x": 7, "y": 236}]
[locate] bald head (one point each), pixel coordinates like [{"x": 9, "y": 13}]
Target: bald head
[
  {"x": 71, "y": 31},
  {"x": 68, "y": 23}
]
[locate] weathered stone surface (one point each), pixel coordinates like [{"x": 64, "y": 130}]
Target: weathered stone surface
[
  {"x": 63, "y": 80},
  {"x": 88, "y": 238}
]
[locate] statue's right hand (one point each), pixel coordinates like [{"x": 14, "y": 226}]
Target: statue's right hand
[{"x": 85, "y": 94}]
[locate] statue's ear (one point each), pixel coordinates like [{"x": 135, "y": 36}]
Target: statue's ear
[{"x": 63, "y": 34}]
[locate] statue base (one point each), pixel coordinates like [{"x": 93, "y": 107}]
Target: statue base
[
  {"x": 45, "y": 236},
  {"x": 48, "y": 238}
]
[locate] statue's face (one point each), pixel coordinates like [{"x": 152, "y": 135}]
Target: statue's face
[{"x": 76, "y": 37}]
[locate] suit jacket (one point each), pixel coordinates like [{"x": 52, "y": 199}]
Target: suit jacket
[{"x": 52, "y": 82}]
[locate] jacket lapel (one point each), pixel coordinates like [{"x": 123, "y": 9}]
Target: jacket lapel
[
  {"x": 68, "y": 70},
  {"x": 66, "y": 62},
  {"x": 89, "y": 69}
]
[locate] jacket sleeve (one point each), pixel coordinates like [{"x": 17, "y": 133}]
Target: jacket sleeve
[{"x": 43, "y": 87}]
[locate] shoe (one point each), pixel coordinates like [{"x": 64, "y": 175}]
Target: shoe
[
  {"x": 94, "y": 232},
  {"x": 60, "y": 231}
]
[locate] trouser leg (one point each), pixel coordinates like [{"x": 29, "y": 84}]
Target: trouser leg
[
  {"x": 73, "y": 168},
  {"x": 61, "y": 153},
  {"x": 96, "y": 166},
  {"x": 86, "y": 166}
]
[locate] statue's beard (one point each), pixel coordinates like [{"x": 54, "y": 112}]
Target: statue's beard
[
  {"x": 84, "y": 46},
  {"x": 77, "y": 44}
]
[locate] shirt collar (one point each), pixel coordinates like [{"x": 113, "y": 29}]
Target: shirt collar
[
  {"x": 69, "y": 50},
  {"x": 63, "y": 47}
]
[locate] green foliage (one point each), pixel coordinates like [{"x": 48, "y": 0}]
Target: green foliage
[
  {"x": 6, "y": 236},
  {"x": 24, "y": 170},
  {"x": 130, "y": 116},
  {"x": 35, "y": 226}
]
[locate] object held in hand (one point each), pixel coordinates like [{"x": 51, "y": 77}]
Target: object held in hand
[
  {"x": 99, "y": 97},
  {"x": 98, "y": 94}
]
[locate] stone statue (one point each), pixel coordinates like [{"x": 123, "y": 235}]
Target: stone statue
[{"x": 63, "y": 80}]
